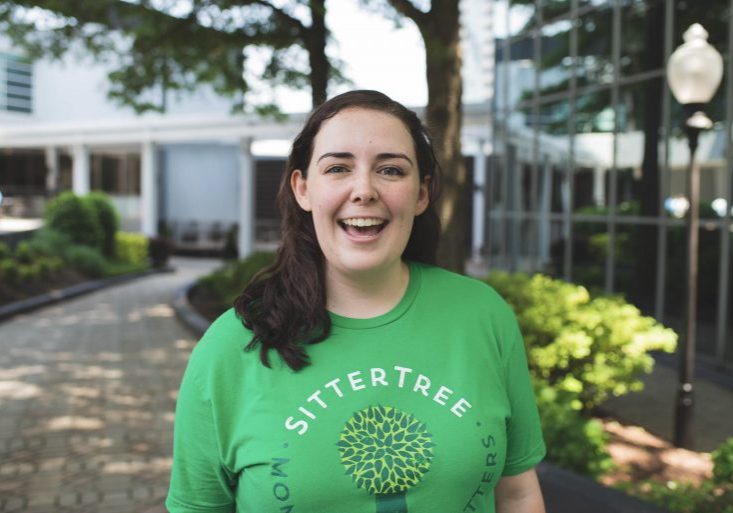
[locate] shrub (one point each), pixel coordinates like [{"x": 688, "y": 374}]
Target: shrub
[
  {"x": 573, "y": 442},
  {"x": 75, "y": 218},
  {"x": 27, "y": 273},
  {"x": 591, "y": 348},
  {"x": 226, "y": 283},
  {"x": 50, "y": 243},
  {"x": 86, "y": 260},
  {"x": 9, "y": 272},
  {"x": 723, "y": 464},
  {"x": 4, "y": 251},
  {"x": 131, "y": 248},
  {"x": 46, "y": 266},
  {"x": 24, "y": 253},
  {"x": 108, "y": 220}
]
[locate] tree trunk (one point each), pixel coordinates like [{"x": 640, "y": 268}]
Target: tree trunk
[
  {"x": 392, "y": 502},
  {"x": 316, "y": 46},
  {"x": 440, "y": 32}
]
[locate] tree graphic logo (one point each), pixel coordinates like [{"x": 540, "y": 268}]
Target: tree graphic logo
[{"x": 386, "y": 452}]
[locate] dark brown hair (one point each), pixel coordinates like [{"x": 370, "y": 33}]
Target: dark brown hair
[{"x": 285, "y": 305}]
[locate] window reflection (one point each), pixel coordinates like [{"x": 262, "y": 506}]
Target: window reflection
[
  {"x": 554, "y": 61},
  {"x": 521, "y": 17},
  {"x": 642, "y": 36},
  {"x": 515, "y": 73},
  {"x": 554, "y": 8},
  {"x": 595, "y": 63}
]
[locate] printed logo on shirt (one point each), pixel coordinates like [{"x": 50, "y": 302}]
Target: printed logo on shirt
[
  {"x": 398, "y": 376},
  {"x": 386, "y": 452}
]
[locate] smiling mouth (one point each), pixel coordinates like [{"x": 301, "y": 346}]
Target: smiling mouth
[{"x": 362, "y": 226}]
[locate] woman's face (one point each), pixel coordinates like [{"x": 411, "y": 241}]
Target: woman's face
[{"x": 364, "y": 190}]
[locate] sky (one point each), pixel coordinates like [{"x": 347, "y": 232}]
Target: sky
[{"x": 377, "y": 55}]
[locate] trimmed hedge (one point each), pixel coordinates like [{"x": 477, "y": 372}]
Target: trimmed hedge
[
  {"x": 75, "y": 218},
  {"x": 107, "y": 218},
  {"x": 131, "y": 248}
]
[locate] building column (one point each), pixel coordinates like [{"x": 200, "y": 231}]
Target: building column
[
  {"x": 148, "y": 190},
  {"x": 80, "y": 170},
  {"x": 479, "y": 201},
  {"x": 52, "y": 170},
  {"x": 246, "y": 198}
]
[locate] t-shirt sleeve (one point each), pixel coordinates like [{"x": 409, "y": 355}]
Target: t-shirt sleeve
[
  {"x": 199, "y": 482},
  {"x": 525, "y": 445}
]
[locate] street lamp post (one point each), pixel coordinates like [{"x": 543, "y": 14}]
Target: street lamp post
[{"x": 694, "y": 72}]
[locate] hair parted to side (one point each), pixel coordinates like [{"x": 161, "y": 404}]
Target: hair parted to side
[{"x": 285, "y": 304}]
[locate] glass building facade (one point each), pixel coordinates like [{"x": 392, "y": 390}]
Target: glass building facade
[{"x": 588, "y": 179}]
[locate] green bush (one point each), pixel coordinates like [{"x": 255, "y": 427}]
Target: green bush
[
  {"x": 4, "y": 251},
  {"x": 24, "y": 253},
  {"x": 723, "y": 464},
  {"x": 74, "y": 217},
  {"x": 591, "y": 348},
  {"x": 86, "y": 260},
  {"x": 50, "y": 243},
  {"x": 28, "y": 273},
  {"x": 573, "y": 442},
  {"x": 9, "y": 272},
  {"x": 47, "y": 266},
  {"x": 131, "y": 248},
  {"x": 226, "y": 283},
  {"x": 107, "y": 218}
]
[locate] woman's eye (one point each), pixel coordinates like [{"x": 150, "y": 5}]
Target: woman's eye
[
  {"x": 336, "y": 169},
  {"x": 391, "y": 171}
]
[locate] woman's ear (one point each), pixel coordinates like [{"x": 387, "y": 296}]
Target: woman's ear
[
  {"x": 423, "y": 197},
  {"x": 299, "y": 185}
]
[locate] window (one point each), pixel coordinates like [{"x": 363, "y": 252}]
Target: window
[{"x": 16, "y": 84}]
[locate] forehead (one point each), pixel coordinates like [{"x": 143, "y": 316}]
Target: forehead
[{"x": 358, "y": 129}]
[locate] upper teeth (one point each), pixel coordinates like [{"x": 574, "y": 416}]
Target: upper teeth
[{"x": 360, "y": 221}]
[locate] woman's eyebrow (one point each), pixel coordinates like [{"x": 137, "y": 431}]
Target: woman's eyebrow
[{"x": 350, "y": 156}]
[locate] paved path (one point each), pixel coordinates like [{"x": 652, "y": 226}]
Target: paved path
[{"x": 87, "y": 394}]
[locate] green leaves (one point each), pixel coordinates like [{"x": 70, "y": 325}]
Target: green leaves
[
  {"x": 385, "y": 450},
  {"x": 591, "y": 348}
]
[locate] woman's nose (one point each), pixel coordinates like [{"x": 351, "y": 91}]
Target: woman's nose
[{"x": 363, "y": 190}]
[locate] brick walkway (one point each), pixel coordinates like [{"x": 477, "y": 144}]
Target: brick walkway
[{"x": 87, "y": 393}]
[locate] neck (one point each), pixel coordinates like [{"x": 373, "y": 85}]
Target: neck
[{"x": 366, "y": 295}]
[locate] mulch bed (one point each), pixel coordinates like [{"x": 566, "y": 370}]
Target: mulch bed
[
  {"x": 62, "y": 279},
  {"x": 639, "y": 455}
]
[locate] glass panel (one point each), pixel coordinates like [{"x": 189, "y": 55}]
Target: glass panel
[
  {"x": 595, "y": 63},
  {"x": 708, "y": 279},
  {"x": 589, "y": 255},
  {"x": 515, "y": 78},
  {"x": 593, "y": 114},
  {"x": 552, "y": 247},
  {"x": 639, "y": 152},
  {"x": 593, "y": 150},
  {"x": 635, "y": 265},
  {"x": 642, "y": 36},
  {"x": 555, "y": 63},
  {"x": 553, "y": 120},
  {"x": 521, "y": 17},
  {"x": 554, "y": 8}
]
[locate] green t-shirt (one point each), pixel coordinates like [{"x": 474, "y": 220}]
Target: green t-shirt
[{"x": 422, "y": 409}]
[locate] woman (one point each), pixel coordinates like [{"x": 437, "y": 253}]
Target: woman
[{"x": 352, "y": 375}]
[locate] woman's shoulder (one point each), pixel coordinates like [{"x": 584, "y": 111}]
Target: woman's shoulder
[
  {"x": 460, "y": 288},
  {"x": 224, "y": 341}
]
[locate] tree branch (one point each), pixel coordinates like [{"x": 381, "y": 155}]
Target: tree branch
[{"x": 408, "y": 9}]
